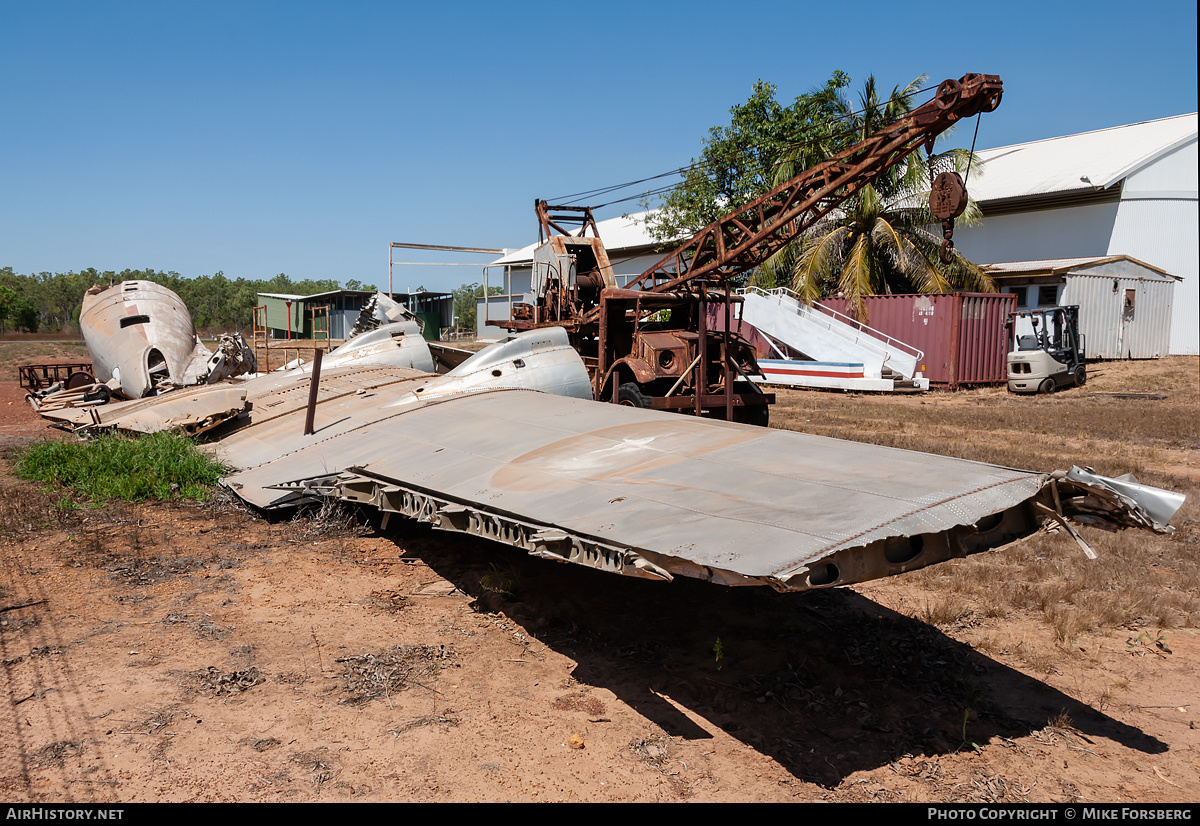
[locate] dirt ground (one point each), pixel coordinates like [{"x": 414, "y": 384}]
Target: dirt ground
[{"x": 185, "y": 652}]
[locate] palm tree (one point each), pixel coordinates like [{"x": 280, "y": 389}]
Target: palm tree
[{"x": 880, "y": 239}]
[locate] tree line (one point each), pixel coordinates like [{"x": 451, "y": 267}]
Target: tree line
[{"x": 52, "y": 301}]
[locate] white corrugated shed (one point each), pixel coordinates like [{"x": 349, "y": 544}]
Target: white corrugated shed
[
  {"x": 1124, "y": 304},
  {"x": 1138, "y": 200},
  {"x": 631, "y": 251},
  {"x": 619, "y": 234},
  {"x": 1157, "y": 222}
]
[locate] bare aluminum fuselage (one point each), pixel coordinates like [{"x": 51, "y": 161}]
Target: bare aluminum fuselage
[{"x": 139, "y": 331}]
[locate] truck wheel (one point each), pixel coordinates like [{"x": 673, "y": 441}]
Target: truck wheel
[
  {"x": 1080, "y": 376},
  {"x": 631, "y": 394},
  {"x": 1047, "y": 386},
  {"x": 101, "y": 394}
]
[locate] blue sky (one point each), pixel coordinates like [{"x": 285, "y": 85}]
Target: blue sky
[{"x": 257, "y": 137}]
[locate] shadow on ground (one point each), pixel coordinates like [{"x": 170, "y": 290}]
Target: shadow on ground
[{"x": 827, "y": 683}]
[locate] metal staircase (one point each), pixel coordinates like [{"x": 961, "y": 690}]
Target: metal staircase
[{"x": 839, "y": 351}]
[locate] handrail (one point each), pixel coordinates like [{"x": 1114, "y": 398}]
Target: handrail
[{"x": 840, "y": 317}]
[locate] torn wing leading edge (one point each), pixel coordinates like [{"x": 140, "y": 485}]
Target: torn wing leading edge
[{"x": 631, "y": 491}]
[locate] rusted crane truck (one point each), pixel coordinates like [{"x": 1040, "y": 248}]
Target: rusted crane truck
[{"x": 649, "y": 344}]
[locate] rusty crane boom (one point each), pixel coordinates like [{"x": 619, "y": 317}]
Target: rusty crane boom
[{"x": 650, "y": 344}]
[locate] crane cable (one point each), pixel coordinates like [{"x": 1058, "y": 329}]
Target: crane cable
[{"x": 566, "y": 200}]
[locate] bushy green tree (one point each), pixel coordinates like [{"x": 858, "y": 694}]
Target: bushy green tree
[
  {"x": 465, "y": 303},
  {"x": 216, "y": 302},
  {"x": 8, "y": 302},
  {"x": 879, "y": 241},
  {"x": 739, "y": 161}
]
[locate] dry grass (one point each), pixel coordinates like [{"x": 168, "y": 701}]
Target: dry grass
[
  {"x": 32, "y": 509},
  {"x": 1140, "y": 579},
  {"x": 388, "y": 672},
  {"x": 331, "y": 519},
  {"x": 945, "y": 608},
  {"x": 13, "y": 354}
]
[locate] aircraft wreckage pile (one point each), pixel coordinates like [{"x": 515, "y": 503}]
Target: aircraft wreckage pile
[
  {"x": 143, "y": 342},
  {"x": 508, "y": 445}
]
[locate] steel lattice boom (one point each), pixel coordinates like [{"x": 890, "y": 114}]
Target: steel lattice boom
[{"x": 745, "y": 238}]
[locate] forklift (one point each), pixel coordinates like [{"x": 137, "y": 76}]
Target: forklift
[{"x": 1046, "y": 351}]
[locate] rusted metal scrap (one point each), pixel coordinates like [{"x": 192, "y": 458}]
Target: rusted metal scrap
[
  {"x": 64, "y": 374},
  {"x": 646, "y": 344}
]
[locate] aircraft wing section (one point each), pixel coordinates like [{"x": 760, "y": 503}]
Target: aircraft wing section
[
  {"x": 195, "y": 410},
  {"x": 653, "y": 494}
]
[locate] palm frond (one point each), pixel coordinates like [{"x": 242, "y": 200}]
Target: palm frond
[
  {"x": 927, "y": 273},
  {"x": 817, "y": 258},
  {"x": 859, "y": 277},
  {"x": 777, "y": 269}
]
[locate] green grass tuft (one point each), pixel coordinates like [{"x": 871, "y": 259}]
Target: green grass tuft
[{"x": 159, "y": 466}]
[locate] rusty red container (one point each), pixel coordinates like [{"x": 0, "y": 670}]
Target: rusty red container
[{"x": 962, "y": 335}]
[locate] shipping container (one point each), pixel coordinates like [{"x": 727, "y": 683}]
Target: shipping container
[{"x": 962, "y": 335}]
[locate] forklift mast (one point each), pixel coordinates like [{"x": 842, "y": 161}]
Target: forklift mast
[{"x": 1055, "y": 330}]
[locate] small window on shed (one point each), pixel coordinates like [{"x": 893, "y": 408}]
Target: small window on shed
[
  {"x": 1130, "y": 298},
  {"x": 1019, "y": 292},
  {"x": 1048, "y": 295}
]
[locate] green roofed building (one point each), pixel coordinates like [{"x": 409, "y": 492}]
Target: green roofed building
[{"x": 292, "y": 316}]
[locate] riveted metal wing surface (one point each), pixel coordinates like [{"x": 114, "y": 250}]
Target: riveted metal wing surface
[{"x": 651, "y": 493}]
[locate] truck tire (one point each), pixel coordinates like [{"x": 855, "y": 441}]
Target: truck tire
[
  {"x": 101, "y": 394},
  {"x": 630, "y": 394},
  {"x": 1080, "y": 376}
]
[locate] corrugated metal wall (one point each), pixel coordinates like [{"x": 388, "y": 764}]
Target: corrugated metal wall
[
  {"x": 277, "y": 313},
  {"x": 1110, "y": 329},
  {"x": 1162, "y": 232},
  {"x": 343, "y": 315},
  {"x": 983, "y": 338},
  {"x": 962, "y": 335},
  {"x": 1068, "y": 232}
]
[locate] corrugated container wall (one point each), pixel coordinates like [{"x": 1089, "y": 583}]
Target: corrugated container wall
[
  {"x": 1122, "y": 316},
  {"x": 962, "y": 335}
]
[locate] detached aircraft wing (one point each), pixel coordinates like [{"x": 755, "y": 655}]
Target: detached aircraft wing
[{"x": 656, "y": 494}]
